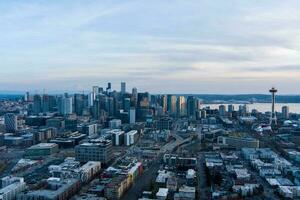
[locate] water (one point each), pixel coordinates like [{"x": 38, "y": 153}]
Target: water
[{"x": 261, "y": 107}]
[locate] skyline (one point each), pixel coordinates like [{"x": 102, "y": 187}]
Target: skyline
[{"x": 198, "y": 47}]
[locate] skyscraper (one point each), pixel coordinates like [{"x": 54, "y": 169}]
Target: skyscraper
[
  {"x": 65, "y": 105},
  {"x": 132, "y": 115},
  {"x": 164, "y": 103},
  {"x": 222, "y": 110},
  {"x": 230, "y": 108},
  {"x": 108, "y": 89},
  {"x": 11, "y": 122},
  {"x": 181, "y": 106},
  {"x": 285, "y": 112},
  {"x": 192, "y": 107},
  {"x": 46, "y": 103},
  {"x": 52, "y": 103},
  {"x": 95, "y": 90},
  {"x": 123, "y": 87},
  {"x": 126, "y": 104},
  {"x": 110, "y": 107},
  {"x": 37, "y": 104},
  {"x": 143, "y": 105},
  {"x": 78, "y": 103},
  {"x": 134, "y": 97},
  {"x": 26, "y": 96},
  {"x": 171, "y": 104},
  {"x": 91, "y": 99},
  {"x": 243, "y": 110}
]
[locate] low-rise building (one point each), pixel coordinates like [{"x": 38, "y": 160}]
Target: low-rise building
[
  {"x": 89, "y": 170},
  {"x": 290, "y": 192},
  {"x": 162, "y": 193},
  {"x": 117, "y": 187},
  {"x": 115, "y": 123},
  {"x": 131, "y": 137},
  {"x": 54, "y": 189},
  {"x": 178, "y": 161},
  {"x": 238, "y": 142},
  {"x": 94, "y": 151},
  {"x": 42, "y": 149},
  {"x": 185, "y": 193},
  {"x": 11, "y": 187},
  {"x": 70, "y": 168}
]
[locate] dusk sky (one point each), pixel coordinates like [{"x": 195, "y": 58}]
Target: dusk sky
[{"x": 160, "y": 46}]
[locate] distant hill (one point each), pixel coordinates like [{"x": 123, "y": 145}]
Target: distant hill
[
  {"x": 10, "y": 96},
  {"x": 255, "y": 98}
]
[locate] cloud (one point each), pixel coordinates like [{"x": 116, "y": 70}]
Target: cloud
[
  {"x": 191, "y": 45},
  {"x": 284, "y": 68}
]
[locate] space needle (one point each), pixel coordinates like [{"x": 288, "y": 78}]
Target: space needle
[{"x": 273, "y": 119}]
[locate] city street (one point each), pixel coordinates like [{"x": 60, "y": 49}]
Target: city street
[{"x": 143, "y": 182}]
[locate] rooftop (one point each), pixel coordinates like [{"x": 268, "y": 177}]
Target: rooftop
[
  {"x": 43, "y": 145},
  {"x": 162, "y": 192},
  {"x": 63, "y": 185}
]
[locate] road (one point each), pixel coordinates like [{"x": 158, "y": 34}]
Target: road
[
  {"x": 143, "y": 182},
  {"x": 268, "y": 190},
  {"x": 12, "y": 156},
  {"x": 203, "y": 190}
]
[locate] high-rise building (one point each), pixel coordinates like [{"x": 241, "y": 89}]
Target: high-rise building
[
  {"x": 230, "y": 108},
  {"x": 126, "y": 104},
  {"x": 52, "y": 103},
  {"x": 192, "y": 106},
  {"x": 143, "y": 106},
  {"x": 65, "y": 105},
  {"x": 181, "y": 106},
  {"x": 26, "y": 96},
  {"x": 78, "y": 104},
  {"x": 132, "y": 115},
  {"x": 203, "y": 114},
  {"x": 243, "y": 109},
  {"x": 91, "y": 99},
  {"x": 37, "y": 104},
  {"x": 95, "y": 90},
  {"x": 99, "y": 109},
  {"x": 117, "y": 136},
  {"x": 11, "y": 122},
  {"x": 96, "y": 109},
  {"x": 222, "y": 110},
  {"x": 46, "y": 103},
  {"x": 100, "y": 90},
  {"x": 108, "y": 89},
  {"x": 153, "y": 100},
  {"x": 130, "y": 137},
  {"x": 285, "y": 112},
  {"x": 134, "y": 97},
  {"x": 171, "y": 104},
  {"x": 123, "y": 87},
  {"x": 110, "y": 106},
  {"x": 164, "y": 103}
]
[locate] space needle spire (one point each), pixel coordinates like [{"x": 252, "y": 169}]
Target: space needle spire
[{"x": 273, "y": 119}]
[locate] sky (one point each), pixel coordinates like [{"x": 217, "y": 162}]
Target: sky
[{"x": 160, "y": 46}]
